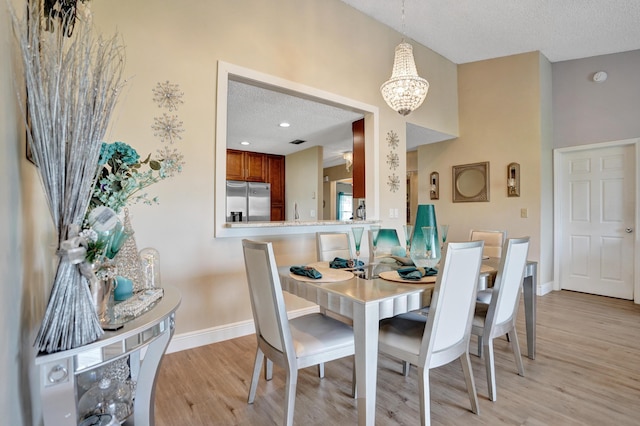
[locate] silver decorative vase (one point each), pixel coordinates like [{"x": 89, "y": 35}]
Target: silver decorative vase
[{"x": 102, "y": 297}]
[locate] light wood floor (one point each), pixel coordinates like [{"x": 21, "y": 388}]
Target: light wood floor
[{"x": 587, "y": 372}]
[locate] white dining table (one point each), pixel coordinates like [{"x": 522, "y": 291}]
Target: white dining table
[{"x": 366, "y": 302}]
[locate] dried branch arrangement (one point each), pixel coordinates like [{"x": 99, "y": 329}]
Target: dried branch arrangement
[{"x": 72, "y": 84}]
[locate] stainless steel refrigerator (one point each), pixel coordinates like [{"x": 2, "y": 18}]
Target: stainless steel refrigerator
[{"x": 248, "y": 201}]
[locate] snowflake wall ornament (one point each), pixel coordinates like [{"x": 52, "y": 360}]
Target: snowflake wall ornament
[
  {"x": 167, "y": 95},
  {"x": 393, "y": 182},
  {"x": 392, "y": 139},
  {"x": 167, "y": 128},
  {"x": 393, "y": 160}
]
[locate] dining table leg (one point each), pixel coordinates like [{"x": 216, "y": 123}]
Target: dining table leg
[
  {"x": 529, "y": 289},
  {"x": 365, "y": 329}
]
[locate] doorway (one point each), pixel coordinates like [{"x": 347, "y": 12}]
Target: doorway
[{"x": 596, "y": 216}]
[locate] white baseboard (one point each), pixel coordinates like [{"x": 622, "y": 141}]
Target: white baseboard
[
  {"x": 193, "y": 339},
  {"x": 545, "y": 288}
]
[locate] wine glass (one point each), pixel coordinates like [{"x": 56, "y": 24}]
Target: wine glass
[
  {"x": 357, "y": 236},
  {"x": 408, "y": 233},
  {"x": 375, "y": 231},
  {"x": 443, "y": 234},
  {"x": 432, "y": 252}
]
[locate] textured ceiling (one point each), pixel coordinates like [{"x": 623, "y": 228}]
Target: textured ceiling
[
  {"x": 254, "y": 114},
  {"x": 472, "y": 30}
]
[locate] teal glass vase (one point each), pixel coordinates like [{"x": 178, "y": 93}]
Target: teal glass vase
[{"x": 425, "y": 243}]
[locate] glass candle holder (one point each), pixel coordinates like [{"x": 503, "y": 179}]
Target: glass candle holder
[{"x": 150, "y": 261}]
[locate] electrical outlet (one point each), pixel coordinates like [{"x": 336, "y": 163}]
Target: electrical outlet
[
  {"x": 312, "y": 213},
  {"x": 524, "y": 213},
  {"x": 390, "y": 213}
]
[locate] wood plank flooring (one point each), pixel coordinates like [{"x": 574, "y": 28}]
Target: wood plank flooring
[{"x": 586, "y": 372}]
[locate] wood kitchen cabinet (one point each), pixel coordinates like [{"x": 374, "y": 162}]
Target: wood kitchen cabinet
[
  {"x": 358, "y": 173},
  {"x": 246, "y": 166},
  {"x": 275, "y": 176},
  {"x": 251, "y": 166}
]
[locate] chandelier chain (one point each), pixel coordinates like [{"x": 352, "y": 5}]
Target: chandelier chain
[{"x": 403, "y": 31}]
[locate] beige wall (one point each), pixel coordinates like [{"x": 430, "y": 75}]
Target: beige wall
[
  {"x": 326, "y": 45},
  {"x": 11, "y": 301},
  {"x": 303, "y": 179},
  {"x": 501, "y": 121},
  {"x": 28, "y": 246},
  {"x": 586, "y": 112}
]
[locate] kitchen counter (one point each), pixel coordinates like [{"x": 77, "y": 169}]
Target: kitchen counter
[
  {"x": 298, "y": 223},
  {"x": 249, "y": 229}
]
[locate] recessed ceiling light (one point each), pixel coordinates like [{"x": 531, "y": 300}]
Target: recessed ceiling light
[
  {"x": 284, "y": 124},
  {"x": 245, "y": 143}
]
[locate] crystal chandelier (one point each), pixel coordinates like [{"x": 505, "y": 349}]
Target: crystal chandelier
[{"x": 405, "y": 90}]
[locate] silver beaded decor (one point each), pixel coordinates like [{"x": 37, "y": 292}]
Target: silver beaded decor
[
  {"x": 128, "y": 260},
  {"x": 394, "y": 182},
  {"x": 168, "y": 128},
  {"x": 168, "y": 95}
]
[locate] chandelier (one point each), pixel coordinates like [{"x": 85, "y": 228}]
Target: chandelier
[{"x": 405, "y": 90}]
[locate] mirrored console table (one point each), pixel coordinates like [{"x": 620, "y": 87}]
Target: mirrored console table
[{"x": 142, "y": 340}]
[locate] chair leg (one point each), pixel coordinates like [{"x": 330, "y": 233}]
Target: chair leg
[
  {"x": 425, "y": 396},
  {"x": 256, "y": 375},
  {"x": 321, "y": 370},
  {"x": 268, "y": 369},
  {"x": 491, "y": 369},
  {"x": 290, "y": 397},
  {"x": 480, "y": 342},
  {"x": 465, "y": 359},
  {"x": 406, "y": 366},
  {"x": 354, "y": 389},
  {"x": 515, "y": 346}
]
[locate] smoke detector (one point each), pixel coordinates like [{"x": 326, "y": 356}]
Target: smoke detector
[{"x": 599, "y": 76}]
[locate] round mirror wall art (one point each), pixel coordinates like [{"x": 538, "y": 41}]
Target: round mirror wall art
[{"x": 471, "y": 182}]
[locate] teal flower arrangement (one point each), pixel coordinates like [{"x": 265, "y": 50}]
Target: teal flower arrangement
[{"x": 122, "y": 176}]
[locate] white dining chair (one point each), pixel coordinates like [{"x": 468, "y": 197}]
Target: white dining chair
[
  {"x": 493, "y": 244},
  {"x": 493, "y": 241},
  {"x": 443, "y": 335},
  {"x": 292, "y": 344},
  {"x": 330, "y": 245},
  {"x": 499, "y": 317}
]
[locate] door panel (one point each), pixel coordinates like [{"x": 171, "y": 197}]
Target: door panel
[{"x": 597, "y": 253}]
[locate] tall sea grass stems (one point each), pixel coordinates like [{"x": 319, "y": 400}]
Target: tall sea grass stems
[{"x": 72, "y": 84}]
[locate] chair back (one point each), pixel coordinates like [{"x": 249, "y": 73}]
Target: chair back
[
  {"x": 448, "y": 327},
  {"x": 330, "y": 245},
  {"x": 493, "y": 241},
  {"x": 506, "y": 290},
  {"x": 267, "y": 300},
  {"x": 387, "y": 239}
]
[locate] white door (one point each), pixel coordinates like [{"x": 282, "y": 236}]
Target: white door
[{"x": 597, "y": 214}]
